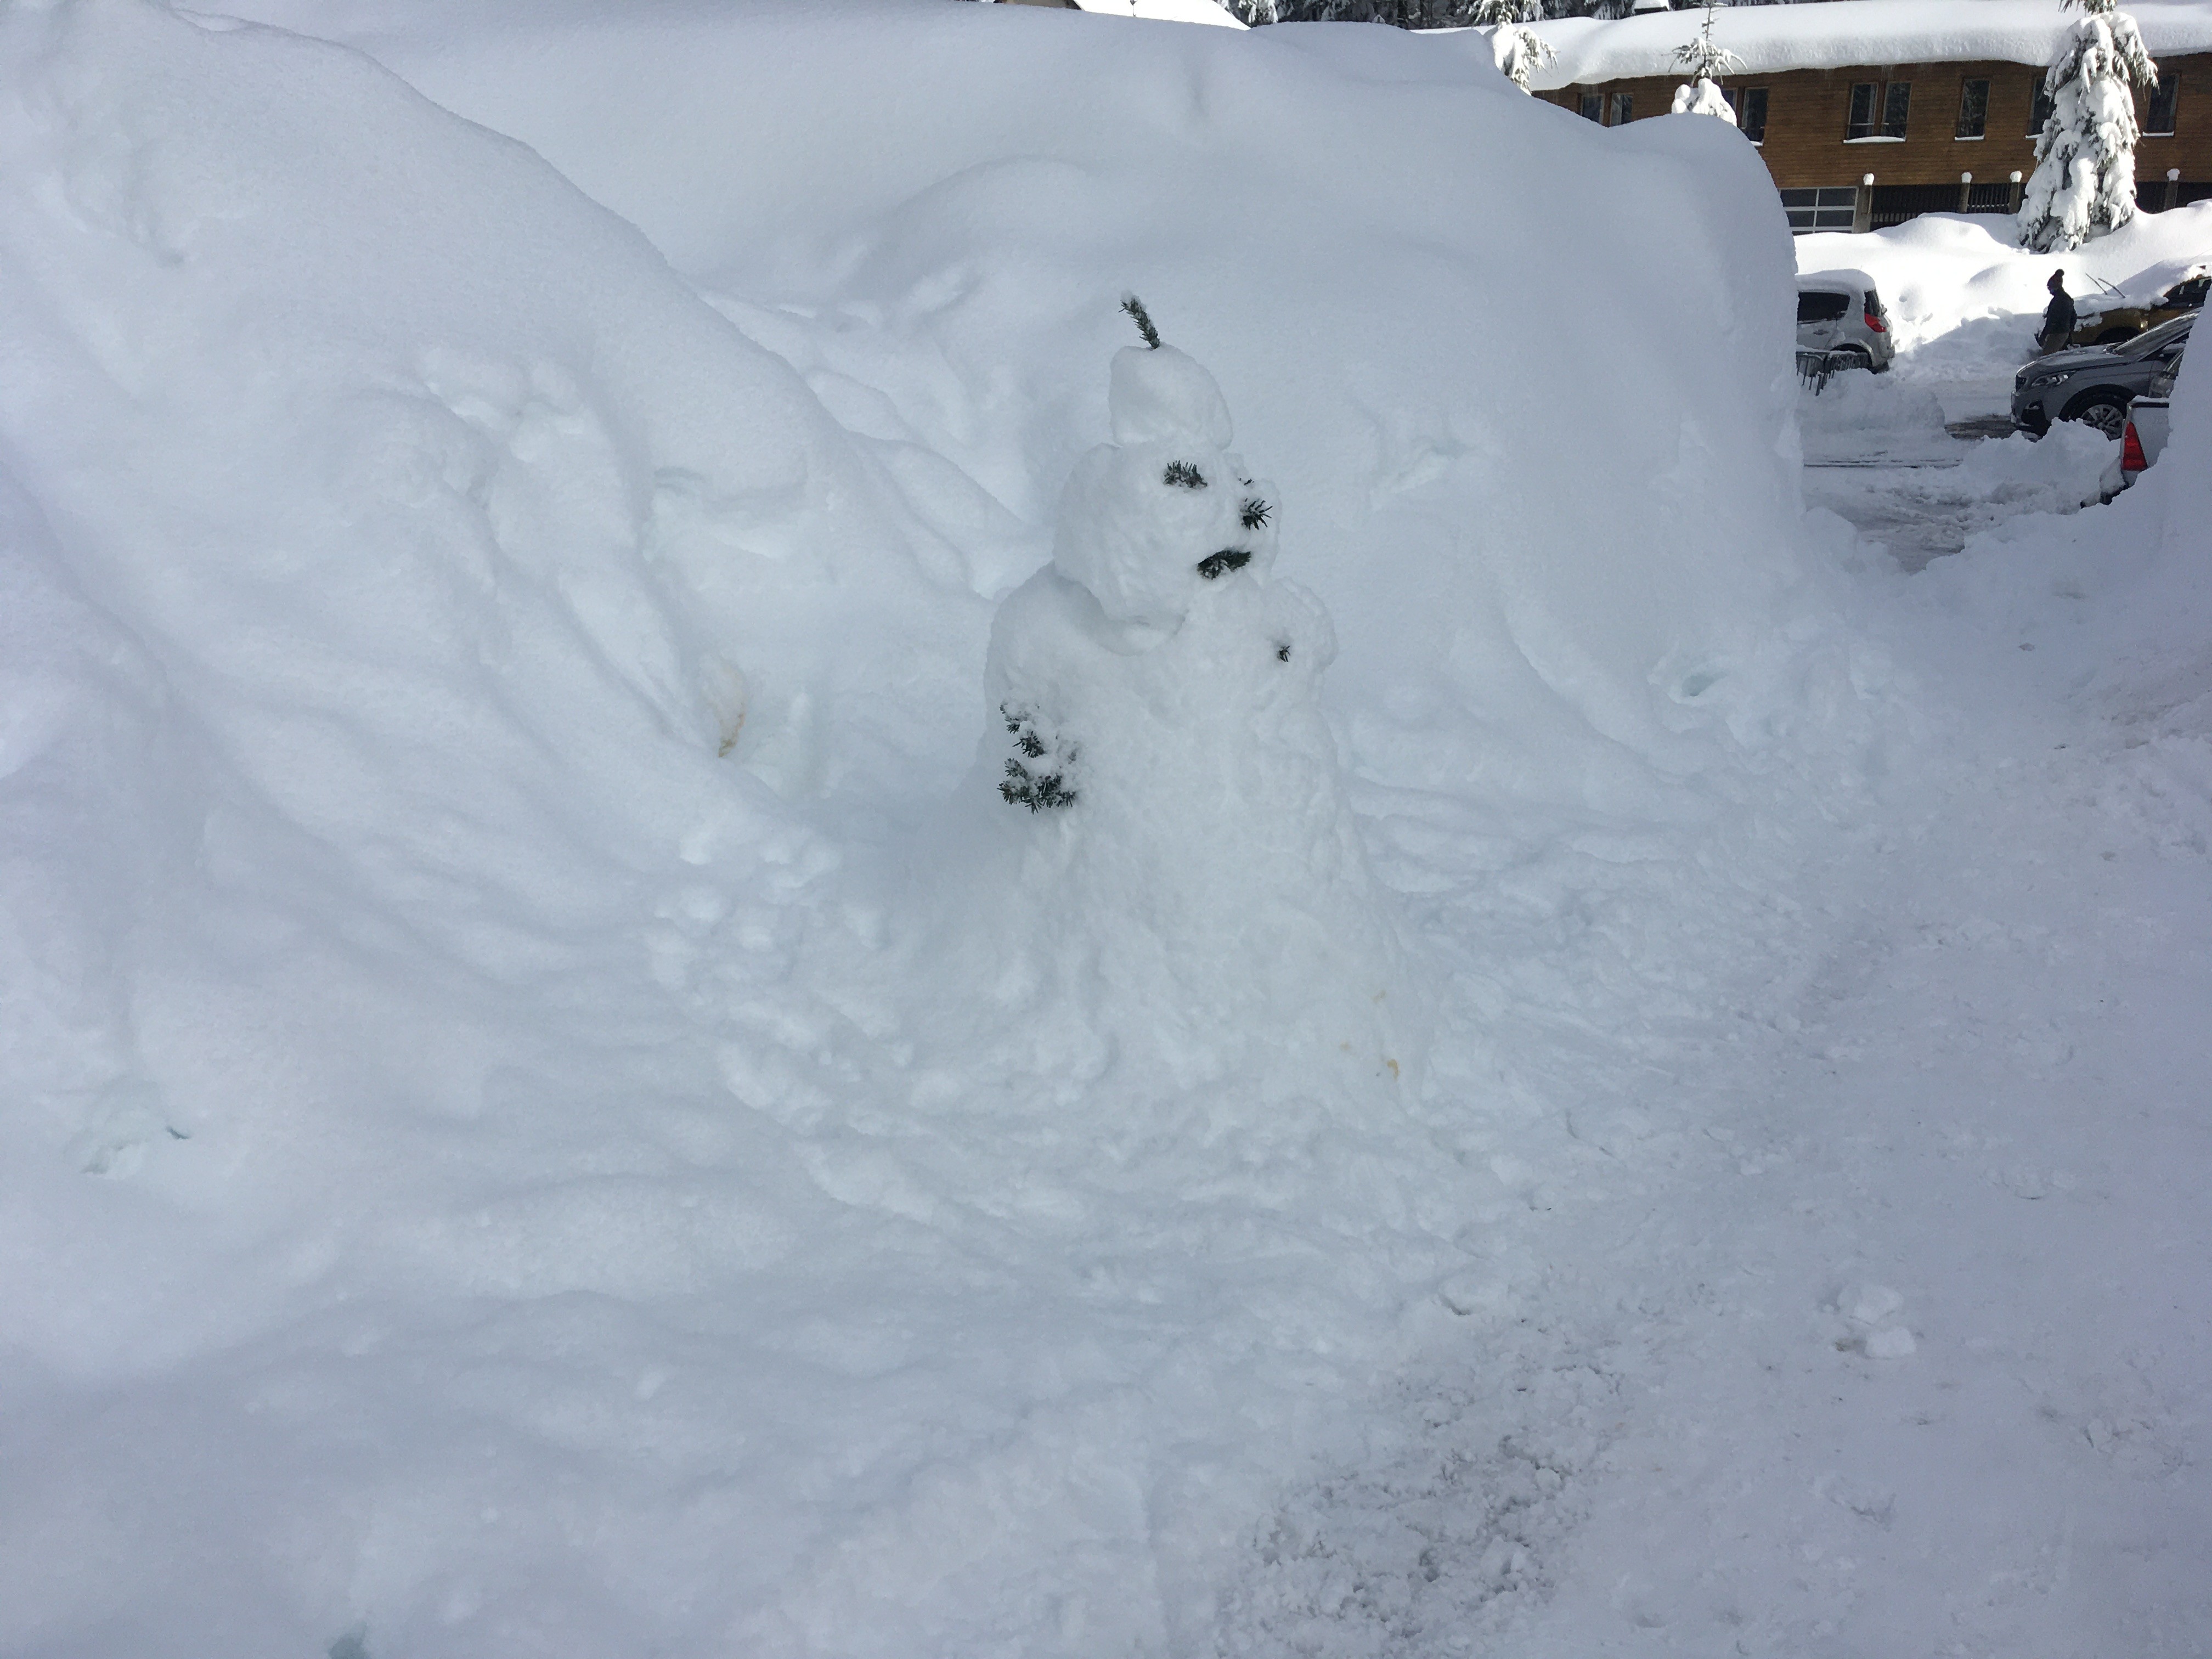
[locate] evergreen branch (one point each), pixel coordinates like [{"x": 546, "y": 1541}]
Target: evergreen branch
[{"x": 1143, "y": 320}]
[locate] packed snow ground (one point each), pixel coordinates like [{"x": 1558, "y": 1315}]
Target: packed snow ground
[{"x": 531, "y": 1129}]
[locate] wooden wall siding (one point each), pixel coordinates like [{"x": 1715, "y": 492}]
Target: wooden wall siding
[{"x": 1808, "y": 111}]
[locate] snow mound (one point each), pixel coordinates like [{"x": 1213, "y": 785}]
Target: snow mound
[
  {"x": 502, "y": 1163},
  {"x": 2056, "y": 473},
  {"x": 2115, "y": 602},
  {"x": 1865, "y": 417}
]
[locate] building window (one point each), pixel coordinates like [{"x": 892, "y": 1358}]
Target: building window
[
  {"x": 1830, "y": 209},
  {"x": 1878, "y": 111},
  {"x": 2041, "y": 114},
  {"x": 2164, "y": 105},
  {"x": 1896, "y": 104},
  {"x": 1750, "y": 112},
  {"x": 1623, "y": 109},
  {"x": 1862, "y": 122},
  {"x": 1593, "y": 107},
  {"x": 1973, "y": 109}
]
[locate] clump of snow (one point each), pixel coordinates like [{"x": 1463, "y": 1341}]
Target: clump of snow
[
  {"x": 2056, "y": 473},
  {"x": 1703, "y": 99},
  {"x": 1868, "y": 1304},
  {"x": 1859, "y": 416}
]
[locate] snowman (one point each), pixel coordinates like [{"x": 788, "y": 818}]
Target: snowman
[{"x": 1158, "y": 751}]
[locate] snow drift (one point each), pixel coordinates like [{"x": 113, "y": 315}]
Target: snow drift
[{"x": 490, "y": 1164}]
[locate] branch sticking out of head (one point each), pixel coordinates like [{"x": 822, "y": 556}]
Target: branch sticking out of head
[{"x": 1142, "y": 318}]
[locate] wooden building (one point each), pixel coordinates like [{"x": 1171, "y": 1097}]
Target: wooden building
[{"x": 1916, "y": 120}]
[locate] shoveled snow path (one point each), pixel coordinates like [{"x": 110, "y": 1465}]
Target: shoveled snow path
[{"x": 1879, "y": 1324}]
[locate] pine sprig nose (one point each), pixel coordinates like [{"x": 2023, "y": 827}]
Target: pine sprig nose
[
  {"x": 1183, "y": 475},
  {"x": 1256, "y": 512},
  {"x": 1142, "y": 318}
]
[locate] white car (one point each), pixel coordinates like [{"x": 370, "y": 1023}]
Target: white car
[
  {"x": 1840, "y": 316},
  {"x": 2141, "y": 440}
]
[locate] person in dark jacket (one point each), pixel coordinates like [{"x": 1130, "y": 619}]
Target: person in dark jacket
[{"x": 2058, "y": 318}]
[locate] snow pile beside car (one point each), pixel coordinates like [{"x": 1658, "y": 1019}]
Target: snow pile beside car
[
  {"x": 2055, "y": 474},
  {"x": 498, "y": 1166},
  {"x": 1867, "y": 418},
  {"x": 2115, "y": 603}
]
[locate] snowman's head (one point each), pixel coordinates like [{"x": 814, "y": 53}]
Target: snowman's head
[
  {"x": 1148, "y": 520},
  {"x": 1161, "y": 395}
]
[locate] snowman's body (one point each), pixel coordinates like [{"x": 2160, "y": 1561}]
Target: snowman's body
[{"x": 1156, "y": 694}]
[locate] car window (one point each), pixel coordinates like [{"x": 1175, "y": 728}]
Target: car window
[
  {"x": 2190, "y": 293},
  {"x": 1813, "y": 307},
  {"x": 2151, "y": 339},
  {"x": 1873, "y": 301}
]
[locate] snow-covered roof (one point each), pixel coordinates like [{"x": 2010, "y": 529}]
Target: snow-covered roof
[
  {"x": 1840, "y": 279},
  {"x": 1166, "y": 11},
  {"x": 1772, "y": 39}
]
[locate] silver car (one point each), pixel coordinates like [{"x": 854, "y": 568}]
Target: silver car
[
  {"x": 1840, "y": 317},
  {"x": 2096, "y": 384}
]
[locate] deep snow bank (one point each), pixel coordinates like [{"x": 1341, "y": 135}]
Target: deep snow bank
[
  {"x": 936, "y": 212},
  {"x": 488, "y": 1155}
]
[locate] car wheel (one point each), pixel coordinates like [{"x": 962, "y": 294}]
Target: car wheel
[
  {"x": 2105, "y": 410},
  {"x": 1852, "y": 357},
  {"x": 2114, "y": 335}
]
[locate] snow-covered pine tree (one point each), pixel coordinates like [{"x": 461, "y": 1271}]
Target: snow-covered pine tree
[
  {"x": 1704, "y": 98},
  {"x": 1705, "y": 63},
  {"x": 1520, "y": 51},
  {"x": 2084, "y": 183}
]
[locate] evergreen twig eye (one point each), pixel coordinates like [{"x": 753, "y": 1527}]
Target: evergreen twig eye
[
  {"x": 1183, "y": 475},
  {"x": 1256, "y": 512}
]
